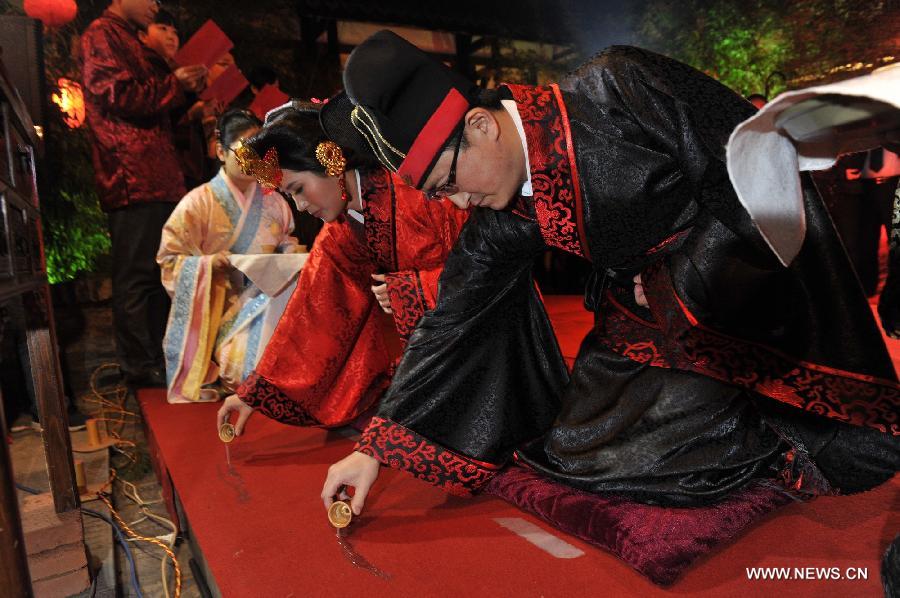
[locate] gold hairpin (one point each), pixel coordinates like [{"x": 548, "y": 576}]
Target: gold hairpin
[
  {"x": 265, "y": 170},
  {"x": 329, "y": 155}
]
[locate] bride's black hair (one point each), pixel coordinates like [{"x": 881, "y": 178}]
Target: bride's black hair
[
  {"x": 294, "y": 135},
  {"x": 295, "y": 132}
]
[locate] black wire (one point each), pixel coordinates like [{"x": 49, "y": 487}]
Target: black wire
[
  {"x": 124, "y": 544},
  {"x": 25, "y": 488}
]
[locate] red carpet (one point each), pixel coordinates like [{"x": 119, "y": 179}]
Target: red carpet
[{"x": 264, "y": 532}]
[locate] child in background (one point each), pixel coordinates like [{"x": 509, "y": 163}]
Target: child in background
[{"x": 220, "y": 319}]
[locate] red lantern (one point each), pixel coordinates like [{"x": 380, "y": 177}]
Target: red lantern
[{"x": 53, "y": 13}]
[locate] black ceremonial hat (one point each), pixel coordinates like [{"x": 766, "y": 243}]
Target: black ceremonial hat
[
  {"x": 408, "y": 104},
  {"x": 334, "y": 117}
]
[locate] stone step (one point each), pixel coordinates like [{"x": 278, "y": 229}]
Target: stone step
[{"x": 54, "y": 542}]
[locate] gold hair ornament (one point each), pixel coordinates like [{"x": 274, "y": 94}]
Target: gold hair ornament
[
  {"x": 265, "y": 170},
  {"x": 330, "y": 156}
]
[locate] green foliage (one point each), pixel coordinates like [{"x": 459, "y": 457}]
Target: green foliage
[
  {"x": 75, "y": 229},
  {"x": 743, "y": 42},
  {"x": 740, "y": 44},
  {"x": 75, "y": 234}
]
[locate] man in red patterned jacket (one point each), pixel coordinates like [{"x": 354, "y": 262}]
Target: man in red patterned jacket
[{"x": 129, "y": 94}]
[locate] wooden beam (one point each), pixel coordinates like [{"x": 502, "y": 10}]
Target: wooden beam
[
  {"x": 15, "y": 580},
  {"x": 443, "y": 56},
  {"x": 42, "y": 356},
  {"x": 564, "y": 53},
  {"x": 474, "y": 61}
]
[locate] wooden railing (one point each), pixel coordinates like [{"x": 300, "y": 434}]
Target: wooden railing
[{"x": 23, "y": 280}]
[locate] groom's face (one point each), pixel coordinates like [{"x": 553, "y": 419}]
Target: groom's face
[{"x": 488, "y": 169}]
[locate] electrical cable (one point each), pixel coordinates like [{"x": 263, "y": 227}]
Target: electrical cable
[
  {"x": 137, "y": 536},
  {"x": 121, "y": 539},
  {"x": 111, "y": 403},
  {"x": 130, "y": 491},
  {"x": 25, "y": 488}
]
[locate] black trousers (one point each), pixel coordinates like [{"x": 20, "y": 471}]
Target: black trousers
[{"x": 140, "y": 303}]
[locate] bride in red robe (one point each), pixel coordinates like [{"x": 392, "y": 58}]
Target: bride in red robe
[{"x": 371, "y": 275}]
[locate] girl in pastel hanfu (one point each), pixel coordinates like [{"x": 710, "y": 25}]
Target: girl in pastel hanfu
[{"x": 229, "y": 262}]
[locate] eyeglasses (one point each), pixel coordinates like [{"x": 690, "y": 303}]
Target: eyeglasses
[{"x": 450, "y": 187}]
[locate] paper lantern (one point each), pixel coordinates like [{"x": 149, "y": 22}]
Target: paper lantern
[
  {"x": 70, "y": 100},
  {"x": 53, "y": 13}
]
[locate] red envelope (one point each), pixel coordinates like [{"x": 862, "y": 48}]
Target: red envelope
[
  {"x": 268, "y": 97},
  {"x": 226, "y": 86},
  {"x": 205, "y": 47}
]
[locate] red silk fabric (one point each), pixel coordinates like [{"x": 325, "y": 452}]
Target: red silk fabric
[{"x": 331, "y": 355}]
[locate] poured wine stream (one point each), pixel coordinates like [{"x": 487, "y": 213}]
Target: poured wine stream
[{"x": 355, "y": 558}]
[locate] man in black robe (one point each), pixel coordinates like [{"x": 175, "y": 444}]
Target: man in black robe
[{"x": 710, "y": 363}]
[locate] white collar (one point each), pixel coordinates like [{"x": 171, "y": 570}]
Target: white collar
[
  {"x": 353, "y": 213},
  {"x": 513, "y": 110}
]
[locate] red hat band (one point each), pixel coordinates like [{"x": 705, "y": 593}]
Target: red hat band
[{"x": 433, "y": 136}]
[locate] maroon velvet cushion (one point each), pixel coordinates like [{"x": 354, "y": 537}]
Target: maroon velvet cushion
[{"x": 660, "y": 542}]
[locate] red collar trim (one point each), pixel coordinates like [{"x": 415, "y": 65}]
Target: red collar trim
[{"x": 554, "y": 171}]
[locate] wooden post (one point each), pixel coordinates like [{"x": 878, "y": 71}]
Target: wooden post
[
  {"x": 15, "y": 580},
  {"x": 47, "y": 376}
]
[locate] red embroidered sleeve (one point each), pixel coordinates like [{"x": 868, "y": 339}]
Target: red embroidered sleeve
[
  {"x": 401, "y": 448},
  {"x": 268, "y": 399},
  {"x": 408, "y": 300}
]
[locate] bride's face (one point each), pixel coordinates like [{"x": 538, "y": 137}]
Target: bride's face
[{"x": 318, "y": 194}]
